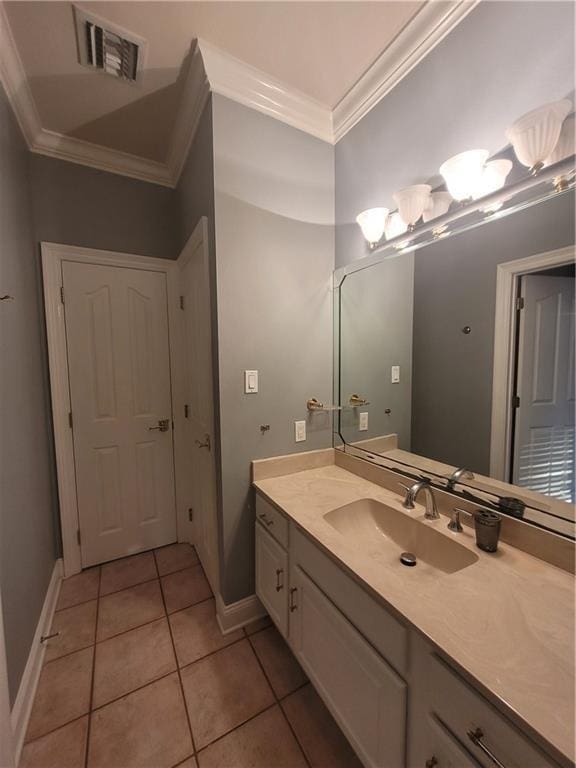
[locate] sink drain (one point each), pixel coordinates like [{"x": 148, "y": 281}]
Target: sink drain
[{"x": 407, "y": 558}]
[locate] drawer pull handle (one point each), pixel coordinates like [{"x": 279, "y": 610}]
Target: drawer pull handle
[
  {"x": 476, "y": 737},
  {"x": 293, "y": 605},
  {"x": 279, "y": 584},
  {"x": 265, "y": 520},
  {"x": 432, "y": 762}
]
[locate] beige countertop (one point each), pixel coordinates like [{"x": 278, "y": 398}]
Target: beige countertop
[{"x": 507, "y": 620}]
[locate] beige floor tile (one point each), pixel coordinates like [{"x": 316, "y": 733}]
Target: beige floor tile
[
  {"x": 190, "y": 763},
  {"x": 264, "y": 742},
  {"x": 196, "y": 632},
  {"x": 76, "y": 627},
  {"x": 185, "y": 588},
  {"x": 79, "y": 588},
  {"x": 146, "y": 729},
  {"x": 127, "y": 572},
  {"x": 257, "y": 625},
  {"x": 129, "y": 608},
  {"x": 175, "y": 557},
  {"x": 323, "y": 742},
  {"x": 224, "y": 690},
  {"x": 131, "y": 660},
  {"x": 280, "y": 665},
  {"x": 64, "y": 748},
  {"x": 63, "y": 693}
]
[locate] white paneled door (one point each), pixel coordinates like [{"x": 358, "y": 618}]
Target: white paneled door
[
  {"x": 199, "y": 464},
  {"x": 544, "y": 447},
  {"x": 120, "y": 390}
]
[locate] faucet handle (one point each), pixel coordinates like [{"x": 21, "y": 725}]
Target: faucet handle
[
  {"x": 408, "y": 503},
  {"x": 455, "y": 524}
]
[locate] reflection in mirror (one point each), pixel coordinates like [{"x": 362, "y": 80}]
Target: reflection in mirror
[{"x": 461, "y": 355}]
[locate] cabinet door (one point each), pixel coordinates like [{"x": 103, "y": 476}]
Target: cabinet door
[
  {"x": 365, "y": 695},
  {"x": 272, "y": 578}
]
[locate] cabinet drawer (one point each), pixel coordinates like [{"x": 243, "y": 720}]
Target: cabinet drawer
[
  {"x": 272, "y": 578},
  {"x": 272, "y": 520},
  {"x": 439, "y": 749},
  {"x": 384, "y": 632},
  {"x": 362, "y": 691},
  {"x": 465, "y": 712}
]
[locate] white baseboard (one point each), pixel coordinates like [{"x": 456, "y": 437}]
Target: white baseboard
[
  {"x": 237, "y": 615},
  {"x": 25, "y": 697}
]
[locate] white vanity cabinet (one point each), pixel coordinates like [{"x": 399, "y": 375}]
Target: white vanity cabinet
[
  {"x": 400, "y": 703},
  {"x": 272, "y": 562}
]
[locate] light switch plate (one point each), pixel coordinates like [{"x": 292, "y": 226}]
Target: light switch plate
[
  {"x": 250, "y": 382},
  {"x": 395, "y": 374},
  {"x": 363, "y": 421},
  {"x": 300, "y": 431}
]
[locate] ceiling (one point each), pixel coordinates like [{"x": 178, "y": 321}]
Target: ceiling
[{"x": 320, "y": 49}]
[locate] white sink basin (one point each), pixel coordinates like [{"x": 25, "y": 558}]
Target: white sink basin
[{"x": 378, "y": 528}]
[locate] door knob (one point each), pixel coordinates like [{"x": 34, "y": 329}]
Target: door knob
[
  {"x": 205, "y": 444},
  {"x": 163, "y": 425}
]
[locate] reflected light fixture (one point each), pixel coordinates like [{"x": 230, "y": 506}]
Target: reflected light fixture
[
  {"x": 372, "y": 223},
  {"x": 535, "y": 135},
  {"x": 412, "y": 202},
  {"x": 463, "y": 172}
]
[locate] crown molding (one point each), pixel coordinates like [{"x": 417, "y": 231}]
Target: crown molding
[
  {"x": 253, "y": 88},
  {"x": 418, "y": 38},
  {"x": 213, "y": 70}
]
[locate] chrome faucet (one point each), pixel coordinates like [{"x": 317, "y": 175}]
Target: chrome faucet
[
  {"x": 412, "y": 492},
  {"x": 458, "y": 474}
]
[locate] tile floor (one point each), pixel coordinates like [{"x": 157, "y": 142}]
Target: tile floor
[{"x": 140, "y": 676}]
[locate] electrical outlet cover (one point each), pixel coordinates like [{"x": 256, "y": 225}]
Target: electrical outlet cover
[
  {"x": 300, "y": 431},
  {"x": 363, "y": 421}
]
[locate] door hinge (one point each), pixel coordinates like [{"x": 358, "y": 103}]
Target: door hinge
[
  {"x": 190, "y": 514},
  {"x": 78, "y": 537},
  {"x": 516, "y": 401},
  {"x": 62, "y": 294},
  {"x": 70, "y": 422},
  {"x": 520, "y": 302},
  {"x": 186, "y": 411},
  {"x": 181, "y": 302}
]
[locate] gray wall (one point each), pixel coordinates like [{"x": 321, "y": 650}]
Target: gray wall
[
  {"x": 454, "y": 286},
  {"x": 376, "y": 333},
  {"x": 502, "y": 60},
  {"x": 275, "y": 255},
  {"x": 27, "y": 475},
  {"x": 77, "y": 205}
]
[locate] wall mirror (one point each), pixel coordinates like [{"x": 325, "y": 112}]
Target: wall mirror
[{"x": 460, "y": 354}]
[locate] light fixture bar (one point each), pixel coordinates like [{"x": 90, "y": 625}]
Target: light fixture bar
[{"x": 547, "y": 174}]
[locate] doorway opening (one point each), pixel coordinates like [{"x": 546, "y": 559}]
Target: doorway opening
[{"x": 543, "y": 421}]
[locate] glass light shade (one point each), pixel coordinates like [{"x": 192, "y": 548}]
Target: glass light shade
[
  {"x": 462, "y": 173},
  {"x": 534, "y": 135},
  {"x": 394, "y": 226},
  {"x": 438, "y": 205},
  {"x": 372, "y": 223},
  {"x": 493, "y": 177},
  {"x": 411, "y": 202},
  {"x": 566, "y": 145}
]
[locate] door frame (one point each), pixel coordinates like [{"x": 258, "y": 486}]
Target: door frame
[
  {"x": 53, "y": 254},
  {"x": 507, "y": 275}
]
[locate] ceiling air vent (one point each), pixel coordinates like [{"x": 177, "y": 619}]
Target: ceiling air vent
[{"x": 108, "y": 48}]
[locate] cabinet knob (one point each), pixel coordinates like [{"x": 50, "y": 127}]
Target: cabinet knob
[{"x": 431, "y": 763}]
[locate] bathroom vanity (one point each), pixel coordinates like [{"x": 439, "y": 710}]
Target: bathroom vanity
[{"x": 466, "y": 659}]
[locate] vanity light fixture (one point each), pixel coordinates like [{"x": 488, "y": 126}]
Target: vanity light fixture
[
  {"x": 463, "y": 173},
  {"x": 412, "y": 202},
  {"x": 372, "y": 223},
  {"x": 534, "y": 135},
  {"x": 438, "y": 205},
  {"x": 493, "y": 178},
  {"x": 394, "y": 226},
  {"x": 565, "y": 147}
]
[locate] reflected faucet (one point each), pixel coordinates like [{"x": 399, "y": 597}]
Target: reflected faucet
[
  {"x": 412, "y": 492},
  {"x": 458, "y": 474}
]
